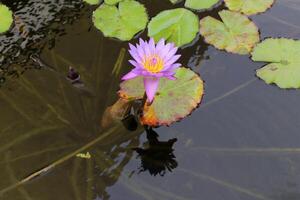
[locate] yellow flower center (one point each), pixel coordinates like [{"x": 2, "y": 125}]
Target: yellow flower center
[{"x": 153, "y": 64}]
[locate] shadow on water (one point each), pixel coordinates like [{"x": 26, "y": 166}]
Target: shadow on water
[
  {"x": 233, "y": 150},
  {"x": 158, "y": 157}
]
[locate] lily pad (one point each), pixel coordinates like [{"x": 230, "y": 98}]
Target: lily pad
[
  {"x": 92, "y": 2},
  {"x": 200, "y": 4},
  {"x": 122, "y": 22},
  {"x": 173, "y": 101},
  {"x": 112, "y": 2},
  {"x": 236, "y": 34},
  {"x": 6, "y": 18},
  {"x": 283, "y": 56},
  {"x": 177, "y": 25},
  {"x": 249, "y": 7}
]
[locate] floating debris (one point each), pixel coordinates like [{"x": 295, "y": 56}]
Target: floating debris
[{"x": 86, "y": 155}]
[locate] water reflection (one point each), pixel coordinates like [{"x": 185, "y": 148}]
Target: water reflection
[
  {"x": 37, "y": 23},
  {"x": 158, "y": 157},
  {"x": 41, "y": 124}
]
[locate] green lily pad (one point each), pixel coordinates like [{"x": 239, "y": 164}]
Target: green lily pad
[
  {"x": 6, "y": 18},
  {"x": 200, "y": 4},
  {"x": 249, "y": 7},
  {"x": 112, "y": 2},
  {"x": 284, "y": 58},
  {"x": 122, "y": 22},
  {"x": 236, "y": 34},
  {"x": 173, "y": 101},
  {"x": 177, "y": 25},
  {"x": 92, "y": 2}
]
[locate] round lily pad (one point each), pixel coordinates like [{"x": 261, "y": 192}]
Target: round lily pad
[
  {"x": 112, "y": 2},
  {"x": 177, "y": 25},
  {"x": 122, "y": 22},
  {"x": 236, "y": 34},
  {"x": 173, "y": 101},
  {"x": 6, "y": 18},
  {"x": 249, "y": 7},
  {"x": 283, "y": 56},
  {"x": 92, "y": 2},
  {"x": 200, "y": 4}
]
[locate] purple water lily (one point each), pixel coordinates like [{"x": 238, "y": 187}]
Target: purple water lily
[{"x": 153, "y": 62}]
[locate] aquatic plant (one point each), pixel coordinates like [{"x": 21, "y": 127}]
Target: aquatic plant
[
  {"x": 112, "y": 2},
  {"x": 200, "y": 4},
  {"x": 153, "y": 62},
  {"x": 180, "y": 26},
  {"x": 6, "y": 17},
  {"x": 65, "y": 110},
  {"x": 197, "y": 4},
  {"x": 164, "y": 82},
  {"x": 236, "y": 34},
  {"x": 157, "y": 75},
  {"x": 122, "y": 21},
  {"x": 283, "y": 56},
  {"x": 173, "y": 100},
  {"x": 249, "y": 7}
]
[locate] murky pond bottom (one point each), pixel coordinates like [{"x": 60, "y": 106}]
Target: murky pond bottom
[{"x": 243, "y": 142}]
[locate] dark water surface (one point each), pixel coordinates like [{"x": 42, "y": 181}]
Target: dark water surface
[{"x": 243, "y": 143}]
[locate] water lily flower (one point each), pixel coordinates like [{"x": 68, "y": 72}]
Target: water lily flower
[{"x": 153, "y": 61}]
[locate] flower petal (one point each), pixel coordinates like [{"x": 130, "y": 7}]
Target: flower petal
[
  {"x": 134, "y": 63},
  {"x": 143, "y": 44},
  {"x": 140, "y": 52},
  {"x": 172, "y": 60},
  {"x": 165, "y": 50},
  {"x": 147, "y": 50},
  {"x": 170, "y": 54},
  {"x": 172, "y": 67},
  {"x": 151, "y": 85},
  {"x": 134, "y": 53},
  {"x": 171, "y": 78},
  {"x": 168, "y": 73},
  {"x": 160, "y": 44},
  {"x": 147, "y": 47},
  {"x": 132, "y": 47},
  {"x": 129, "y": 75},
  {"x": 152, "y": 46}
]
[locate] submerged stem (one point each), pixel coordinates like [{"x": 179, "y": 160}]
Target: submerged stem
[{"x": 58, "y": 162}]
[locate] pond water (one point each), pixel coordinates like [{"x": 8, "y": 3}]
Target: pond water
[{"x": 242, "y": 143}]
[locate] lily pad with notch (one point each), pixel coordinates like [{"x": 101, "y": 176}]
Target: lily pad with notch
[
  {"x": 173, "y": 101},
  {"x": 236, "y": 34},
  {"x": 283, "y": 56},
  {"x": 122, "y": 22},
  {"x": 177, "y": 25}
]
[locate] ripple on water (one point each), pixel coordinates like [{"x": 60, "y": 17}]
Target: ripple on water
[{"x": 36, "y": 23}]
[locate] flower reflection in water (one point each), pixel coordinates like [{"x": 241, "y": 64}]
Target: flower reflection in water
[{"x": 158, "y": 158}]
